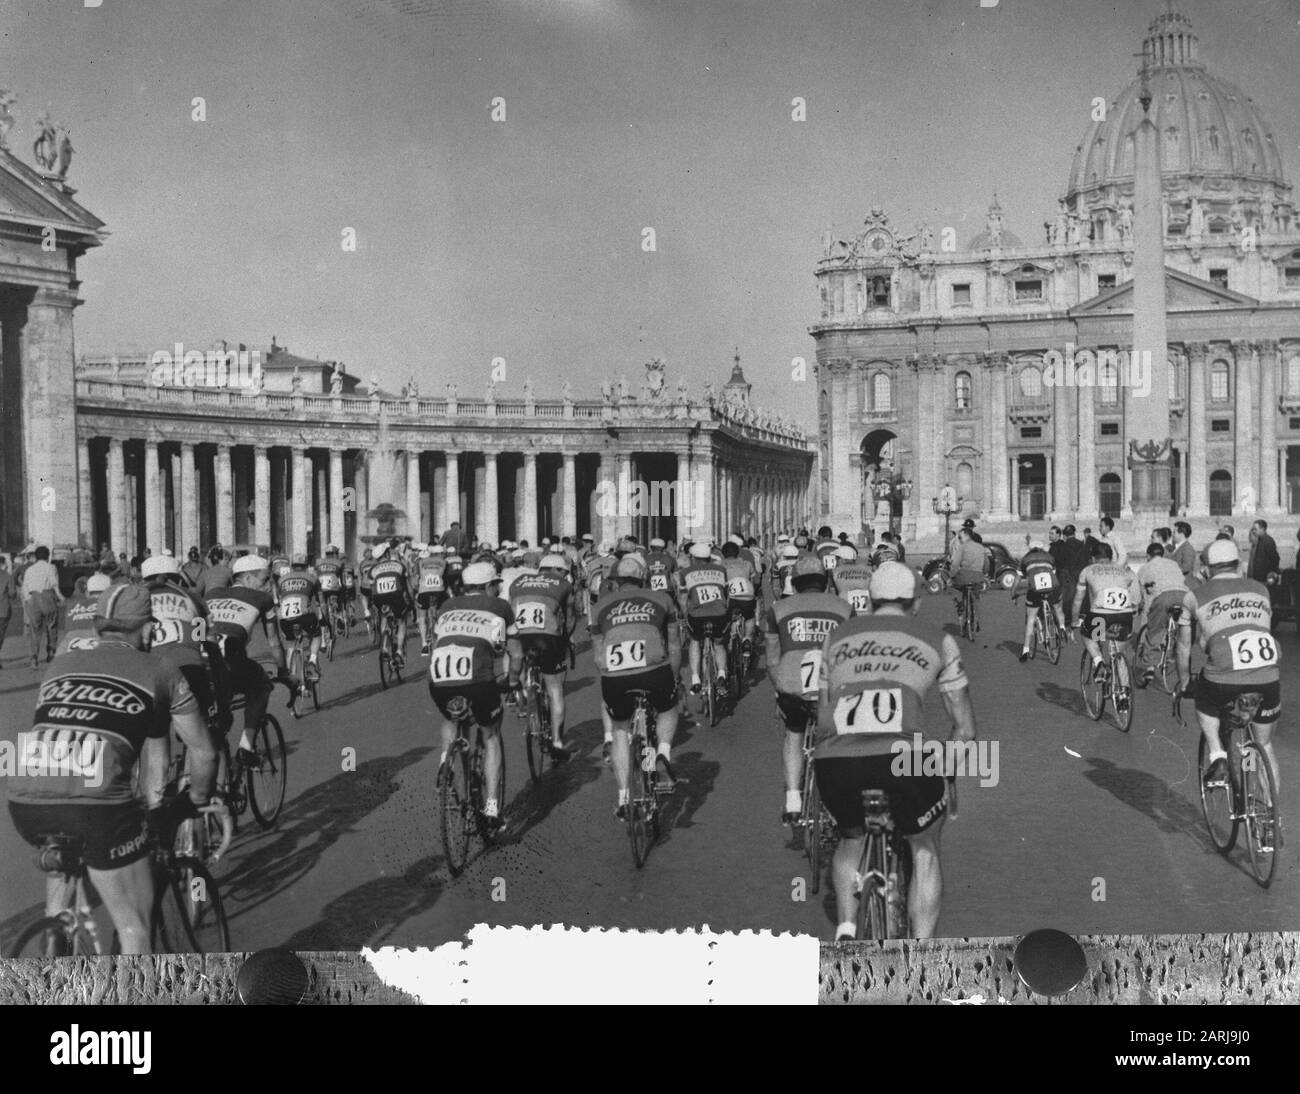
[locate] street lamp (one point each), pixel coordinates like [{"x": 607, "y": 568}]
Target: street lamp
[{"x": 947, "y": 503}]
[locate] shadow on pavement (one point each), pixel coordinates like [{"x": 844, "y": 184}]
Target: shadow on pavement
[
  {"x": 534, "y": 802},
  {"x": 1066, "y": 698},
  {"x": 1150, "y": 795}
]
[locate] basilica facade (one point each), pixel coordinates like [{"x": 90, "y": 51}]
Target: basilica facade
[{"x": 1003, "y": 368}]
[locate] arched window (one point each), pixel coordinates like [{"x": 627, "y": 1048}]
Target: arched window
[
  {"x": 1171, "y": 144},
  {"x": 963, "y": 390},
  {"x": 1108, "y": 381},
  {"x": 1031, "y": 384},
  {"x": 1110, "y": 494},
  {"x": 1220, "y": 493},
  {"x": 965, "y": 480},
  {"x": 882, "y": 395},
  {"x": 1219, "y": 382},
  {"x": 1173, "y": 379},
  {"x": 1214, "y": 139},
  {"x": 1293, "y": 376}
]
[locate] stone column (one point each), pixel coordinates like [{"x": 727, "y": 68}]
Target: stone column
[
  {"x": 152, "y": 499},
  {"x": 453, "y": 488},
  {"x": 85, "y": 496},
  {"x": 262, "y": 495},
  {"x": 570, "y": 479},
  {"x": 529, "y": 525},
  {"x": 491, "y": 500},
  {"x": 1244, "y": 438},
  {"x": 189, "y": 498},
  {"x": 480, "y": 489},
  {"x": 843, "y": 489},
  {"x": 438, "y": 498},
  {"x": 930, "y": 408},
  {"x": 414, "y": 523},
  {"x": 623, "y": 495},
  {"x": 225, "y": 498},
  {"x": 338, "y": 529},
  {"x": 1269, "y": 500},
  {"x": 360, "y": 483},
  {"x": 1062, "y": 506},
  {"x": 703, "y": 471},
  {"x": 117, "y": 533},
  {"x": 1198, "y": 486},
  {"x": 298, "y": 503},
  {"x": 1000, "y": 507},
  {"x": 1087, "y": 494},
  {"x": 178, "y": 545}
]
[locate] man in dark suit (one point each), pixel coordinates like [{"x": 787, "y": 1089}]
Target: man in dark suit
[
  {"x": 1076, "y": 560},
  {"x": 1263, "y": 553}
]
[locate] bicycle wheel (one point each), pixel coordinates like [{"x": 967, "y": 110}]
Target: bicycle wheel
[
  {"x": 330, "y": 637},
  {"x": 1121, "y": 693},
  {"x": 1167, "y": 672},
  {"x": 1259, "y": 812},
  {"x": 395, "y": 665},
  {"x": 638, "y": 826},
  {"x": 871, "y": 901},
  {"x": 533, "y": 745},
  {"x": 267, "y": 780},
  {"x": 812, "y": 832},
  {"x": 385, "y": 660},
  {"x": 454, "y": 808},
  {"x": 1094, "y": 691},
  {"x": 1035, "y": 636},
  {"x": 1052, "y": 640},
  {"x": 188, "y": 914},
  {"x": 299, "y": 681},
  {"x": 1216, "y": 805},
  {"x": 47, "y": 937},
  {"x": 896, "y": 916},
  {"x": 478, "y": 781}
]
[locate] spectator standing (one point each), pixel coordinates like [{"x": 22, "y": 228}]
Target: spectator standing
[
  {"x": 1184, "y": 553},
  {"x": 1118, "y": 554},
  {"x": 41, "y": 600},
  {"x": 8, "y": 598},
  {"x": 1264, "y": 558},
  {"x": 1076, "y": 553}
]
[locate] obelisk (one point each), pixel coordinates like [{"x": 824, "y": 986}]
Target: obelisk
[{"x": 1150, "y": 445}]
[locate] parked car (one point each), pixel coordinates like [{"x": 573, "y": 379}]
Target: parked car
[{"x": 1003, "y": 567}]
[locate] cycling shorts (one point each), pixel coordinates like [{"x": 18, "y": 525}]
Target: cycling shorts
[
  {"x": 660, "y": 682},
  {"x": 112, "y": 836},
  {"x": 1212, "y": 696},
  {"x": 552, "y": 651},
  {"x": 307, "y": 624},
  {"x": 484, "y": 699},
  {"x": 1097, "y": 624},
  {"x": 743, "y": 608},
  {"x": 916, "y": 802},
  {"x": 1033, "y": 598},
  {"x": 430, "y": 599},
  {"x": 795, "y": 710},
  {"x": 396, "y": 601},
  {"x": 695, "y": 625}
]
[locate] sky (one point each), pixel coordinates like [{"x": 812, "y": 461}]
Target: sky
[{"x": 522, "y": 239}]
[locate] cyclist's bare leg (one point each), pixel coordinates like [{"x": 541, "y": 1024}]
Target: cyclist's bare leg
[
  {"x": 313, "y": 654},
  {"x": 128, "y": 896},
  {"x": 926, "y": 890},
  {"x": 792, "y": 757},
  {"x": 1210, "y": 731},
  {"x": 1264, "y": 736},
  {"x": 666, "y": 730},
  {"x": 694, "y": 654},
  {"x": 423, "y": 620},
  {"x": 555, "y": 690},
  {"x": 844, "y": 865},
  {"x": 720, "y": 657},
  {"x": 1030, "y": 615},
  {"x": 492, "y": 767},
  {"x": 622, "y": 765}
]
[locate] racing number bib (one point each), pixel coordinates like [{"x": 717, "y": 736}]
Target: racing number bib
[
  {"x": 810, "y": 668},
  {"x": 625, "y": 655},
  {"x": 875, "y": 710},
  {"x": 707, "y": 594},
  {"x": 1043, "y": 583},
  {"x": 530, "y": 616},
  {"x": 386, "y": 583},
  {"x": 452, "y": 664},
  {"x": 659, "y": 581},
  {"x": 291, "y": 609},
  {"x": 739, "y": 587},
  {"x": 1252, "y": 650},
  {"x": 1115, "y": 600},
  {"x": 860, "y": 601}
]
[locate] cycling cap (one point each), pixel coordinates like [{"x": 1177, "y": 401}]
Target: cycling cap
[
  {"x": 546, "y": 541},
  {"x": 588, "y": 537},
  {"x": 700, "y": 550},
  {"x": 807, "y": 565},
  {"x": 159, "y": 564},
  {"x": 554, "y": 562},
  {"x": 631, "y": 566},
  {"x": 789, "y": 553},
  {"x": 130, "y": 605},
  {"x": 657, "y": 544},
  {"x": 1221, "y": 551},
  {"x": 1037, "y": 545},
  {"x": 517, "y": 554},
  {"x": 893, "y": 581},
  {"x": 784, "y": 537},
  {"x": 379, "y": 550},
  {"x": 97, "y": 583},
  {"x": 739, "y": 541},
  {"x": 479, "y": 573},
  {"x": 847, "y": 552},
  {"x": 248, "y": 564}
]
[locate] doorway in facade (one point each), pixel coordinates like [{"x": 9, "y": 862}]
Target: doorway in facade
[
  {"x": 1220, "y": 493},
  {"x": 1032, "y": 502},
  {"x": 878, "y": 465},
  {"x": 1293, "y": 478},
  {"x": 1110, "y": 495}
]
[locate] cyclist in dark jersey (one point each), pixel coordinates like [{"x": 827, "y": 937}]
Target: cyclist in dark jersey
[
  {"x": 430, "y": 590},
  {"x": 468, "y": 659},
  {"x": 541, "y": 605},
  {"x": 298, "y": 610},
  {"x": 234, "y": 614},
  {"x": 99, "y": 713},
  {"x": 329, "y": 577},
  {"x": 392, "y": 591}
]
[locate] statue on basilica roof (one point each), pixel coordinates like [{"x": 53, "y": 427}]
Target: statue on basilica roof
[
  {"x": 7, "y": 99},
  {"x": 993, "y": 223}
]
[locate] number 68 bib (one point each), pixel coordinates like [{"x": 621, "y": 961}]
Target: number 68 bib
[
  {"x": 1252, "y": 650},
  {"x": 876, "y": 710}
]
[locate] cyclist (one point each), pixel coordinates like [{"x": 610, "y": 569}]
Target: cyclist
[
  {"x": 796, "y": 629},
  {"x": 825, "y": 547},
  {"x": 968, "y": 563},
  {"x": 350, "y": 589},
  {"x": 77, "y": 622},
  {"x": 101, "y": 714},
  {"x": 365, "y": 580},
  {"x": 851, "y": 579},
  {"x": 541, "y": 605},
  {"x": 637, "y": 646},
  {"x": 661, "y": 567},
  {"x": 455, "y": 566},
  {"x": 1232, "y": 617},
  {"x": 1040, "y": 582},
  {"x": 596, "y": 569},
  {"x": 470, "y": 632},
  {"x": 703, "y": 600},
  {"x": 515, "y": 568},
  {"x": 1112, "y": 594},
  {"x": 281, "y": 563},
  {"x": 234, "y": 613},
  {"x": 742, "y": 581},
  {"x": 876, "y": 673},
  {"x": 391, "y": 593},
  {"x": 1163, "y": 590},
  {"x": 430, "y": 589},
  {"x": 329, "y": 573},
  {"x": 298, "y": 597},
  {"x": 180, "y": 635}
]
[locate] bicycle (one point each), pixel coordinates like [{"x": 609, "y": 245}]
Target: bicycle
[
  {"x": 302, "y": 685},
  {"x": 535, "y": 709},
  {"x": 1047, "y": 633},
  {"x": 390, "y": 667},
  {"x": 968, "y": 609},
  {"x": 644, "y": 787},
  {"x": 1116, "y": 684},
  {"x": 1248, "y": 795},
  {"x": 737, "y": 666},
  {"x": 335, "y": 626},
  {"x": 885, "y": 869},
  {"x": 816, "y": 823},
  {"x": 460, "y": 782},
  {"x": 1166, "y": 668},
  {"x": 709, "y": 671},
  {"x": 187, "y": 914}
]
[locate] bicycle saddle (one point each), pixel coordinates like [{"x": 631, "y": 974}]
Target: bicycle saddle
[
  {"x": 1245, "y": 706},
  {"x": 457, "y": 707},
  {"x": 59, "y": 853}
]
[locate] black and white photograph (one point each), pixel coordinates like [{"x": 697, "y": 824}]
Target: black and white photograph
[{"x": 639, "y": 472}]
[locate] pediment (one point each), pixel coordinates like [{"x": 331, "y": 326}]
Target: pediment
[
  {"x": 1182, "y": 291},
  {"x": 27, "y": 198}
]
